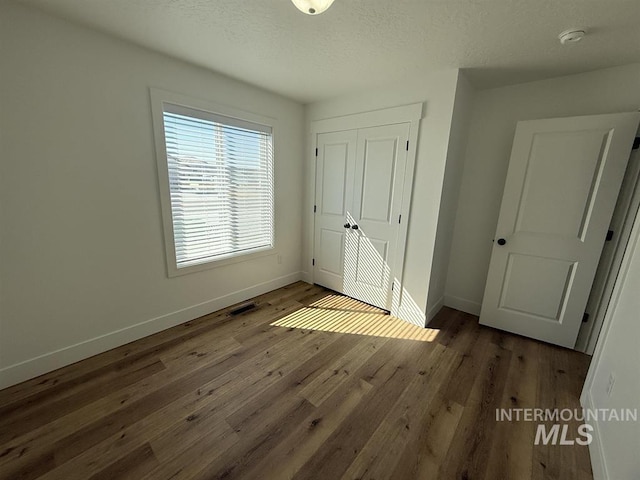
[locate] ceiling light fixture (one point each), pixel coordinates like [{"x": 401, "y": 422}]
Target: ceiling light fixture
[
  {"x": 573, "y": 35},
  {"x": 312, "y": 7}
]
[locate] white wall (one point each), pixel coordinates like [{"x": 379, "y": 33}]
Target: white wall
[
  {"x": 615, "y": 452},
  {"x": 83, "y": 266},
  {"x": 493, "y": 121},
  {"x": 460, "y": 120},
  {"x": 438, "y": 93}
]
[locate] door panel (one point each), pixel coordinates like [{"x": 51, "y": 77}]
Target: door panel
[
  {"x": 526, "y": 273},
  {"x": 378, "y": 173},
  {"x": 373, "y": 272},
  {"x": 331, "y": 252},
  {"x": 560, "y": 204},
  {"x": 335, "y": 161},
  {"x": 563, "y": 180},
  {"x": 334, "y": 193}
]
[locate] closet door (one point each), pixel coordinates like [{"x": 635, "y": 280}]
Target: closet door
[
  {"x": 335, "y": 167},
  {"x": 374, "y": 215}
]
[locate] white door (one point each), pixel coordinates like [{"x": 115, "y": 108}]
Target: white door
[
  {"x": 359, "y": 183},
  {"x": 563, "y": 180},
  {"x": 374, "y": 217},
  {"x": 335, "y": 167}
]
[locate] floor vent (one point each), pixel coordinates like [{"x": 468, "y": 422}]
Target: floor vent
[{"x": 243, "y": 308}]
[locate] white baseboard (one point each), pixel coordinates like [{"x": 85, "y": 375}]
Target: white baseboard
[
  {"x": 463, "y": 305},
  {"x": 306, "y": 277},
  {"x": 433, "y": 311},
  {"x": 598, "y": 465},
  {"x": 48, "y": 362}
]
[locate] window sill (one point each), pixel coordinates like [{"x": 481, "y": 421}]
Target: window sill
[{"x": 173, "y": 271}]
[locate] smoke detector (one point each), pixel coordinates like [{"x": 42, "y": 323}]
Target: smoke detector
[{"x": 573, "y": 35}]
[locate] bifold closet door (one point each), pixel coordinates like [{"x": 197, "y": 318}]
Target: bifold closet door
[{"x": 359, "y": 175}]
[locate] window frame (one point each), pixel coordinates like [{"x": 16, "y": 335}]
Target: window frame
[{"x": 158, "y": 99}]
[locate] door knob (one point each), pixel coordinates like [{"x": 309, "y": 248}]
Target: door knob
[
  {"x": 502, "y": 241},
  {"x": 354, "y": 227},
  {"x": 347, "y": 225}
]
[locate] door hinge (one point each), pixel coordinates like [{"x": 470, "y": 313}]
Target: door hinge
[
  {"x": 407, "y": 145},
  {"x": 313, "y": 261},
  {"x": 609, "y": 236},
  {"x": 585, "y": 318},
  {"x": 399, "y": 218},
  {"x": 315, "y": 208},
  {"x": 636, "y": 143},
  {"x": 316, "y": 151}
]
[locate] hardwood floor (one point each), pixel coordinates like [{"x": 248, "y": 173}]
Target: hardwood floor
[{"x": 333, "y": 389}]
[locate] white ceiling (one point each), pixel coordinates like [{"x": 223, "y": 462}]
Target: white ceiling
[{"x": 365, "y": 43}]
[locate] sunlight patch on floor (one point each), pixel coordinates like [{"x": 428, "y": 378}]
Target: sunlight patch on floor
[{"x": 339, "y": 314}]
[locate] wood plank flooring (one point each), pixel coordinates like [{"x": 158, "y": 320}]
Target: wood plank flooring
[{"x": 309, "y": 385}]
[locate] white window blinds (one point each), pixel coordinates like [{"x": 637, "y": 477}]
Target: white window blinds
[{"x": 221, "y": 184}]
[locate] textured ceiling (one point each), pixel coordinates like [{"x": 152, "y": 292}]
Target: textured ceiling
[{"x": 365, "y": 43}]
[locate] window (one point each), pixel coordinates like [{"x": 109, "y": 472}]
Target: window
[{"x": 218, "y": 171}]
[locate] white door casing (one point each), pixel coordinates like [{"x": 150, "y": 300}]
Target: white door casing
[
  {"x": 561, "y": 188},
  {"x": 410, "y": 115},
  {"x": 611, "y": 257}
]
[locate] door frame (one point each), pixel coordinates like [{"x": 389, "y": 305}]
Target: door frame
[
  {"x": 411, "y": 114},
  {"x": 586, "y": 400},
  {"x": 606, "y": 278}
]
